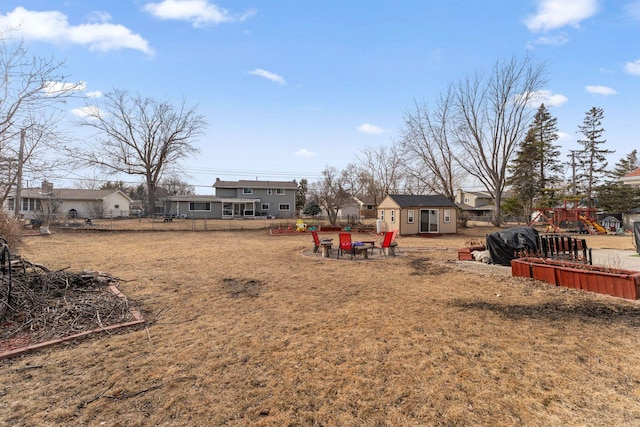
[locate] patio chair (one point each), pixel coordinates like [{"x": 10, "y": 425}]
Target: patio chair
[
  {"x": 345, "y": 244},
  {"x": 388, "y": 243},
  {"x": 316, "y": 241}
]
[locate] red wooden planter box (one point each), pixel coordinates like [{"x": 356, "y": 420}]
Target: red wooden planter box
[
  {"x": 464, "y": 254},
  {"x": 608, "y": 281}
]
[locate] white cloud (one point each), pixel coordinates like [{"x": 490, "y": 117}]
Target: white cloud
[
  {"x": 600, "y": 90},
  {"x": 303, "y": 152},
  {"x": 633, "y": 67},
  {"x": 94, "y": 94},
  {"x": 554, "y": 14},
  {"x": 557, "y": 40},
  {"x": 547, "y": 98},
  {"x": 268, "y": 75},
  {"x": 53, "y": 27},
  {"x": 565, "y": 137},
  {"x": 633, "y": 9},
  {"x": 57, "y": 88},
  {"x": 90, "y": 110},
  {"x": 199, "y": 12},
  {"x": 370, "y": 129}
]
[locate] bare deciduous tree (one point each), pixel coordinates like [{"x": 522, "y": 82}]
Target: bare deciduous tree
[
  {"x": 428, "y": 152},
  {"x": 30, "y": 89},
  {"x": 141, "y": 136},
  {"x": 331, "y": 193},
  {"x": 381, "y": 171},
  {"x": 492, "y": 114}
]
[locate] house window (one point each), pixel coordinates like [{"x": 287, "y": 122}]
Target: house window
[
  {"x": 447, "y": 215},
  {"x": 393, "y": 217},
  {"x": 116, "y": 206},
  {"x": 284, "y": 207},
  {"x": 410, "y": 216},
  {"x": 269, "y": 191},
  {"x": 382, "y": 214},
  {"x": 280, "y": 191},
  {"x": 264, "y": 207},
  {"x": 467, "y": 200},
  {"x": 31, "y": 205},
  {"x": 227, "y": 209},
  {"x": 199, "y": 206},
  {"x": 247, "y": 191},
  {"x": 369, "y": 207}
]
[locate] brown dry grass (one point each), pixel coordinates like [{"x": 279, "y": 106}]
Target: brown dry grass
[{"x": 245, "y": 330}]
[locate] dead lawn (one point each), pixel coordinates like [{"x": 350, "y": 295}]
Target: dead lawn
[{"x": 245, "y": 330}]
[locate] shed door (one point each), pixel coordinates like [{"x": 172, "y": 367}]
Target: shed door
[{"x": 429, "y": 220}]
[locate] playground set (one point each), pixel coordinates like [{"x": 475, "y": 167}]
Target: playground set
[{"x": 581, "y": 220}]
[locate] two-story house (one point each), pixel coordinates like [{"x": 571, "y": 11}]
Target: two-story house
[
  {"x": 247, "y": 198},
  {"x": 475, "y": 204},
  {"x": 238, "y": 199}
]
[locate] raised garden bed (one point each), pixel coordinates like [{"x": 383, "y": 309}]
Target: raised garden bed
[
  {"x": 464, "y": 254},
  {"x": 592, "y": 278}
]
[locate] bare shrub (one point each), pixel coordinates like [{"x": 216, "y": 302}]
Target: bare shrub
[{"x": 9, "y": 229}]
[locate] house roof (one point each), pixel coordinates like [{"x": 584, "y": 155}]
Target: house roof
[
  {"x": 632, "y": 178},
  {"x": 633, "y": 173},
  {"x": 427, "y": 201},
  {"x": 255, "y": 184},
  {"x": 69, "y": 194}
]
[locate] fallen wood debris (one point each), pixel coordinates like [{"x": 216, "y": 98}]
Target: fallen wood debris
[{"x": 48, "y": 305}]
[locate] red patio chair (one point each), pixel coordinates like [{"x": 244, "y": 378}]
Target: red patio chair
[
  {"x": 388, "y": 243},
  {"x": 345, "y": 244},
  {"x": 316, "y": 241}
]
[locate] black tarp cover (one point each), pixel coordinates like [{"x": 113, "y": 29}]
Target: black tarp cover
[{"x": 502, "y": 245}]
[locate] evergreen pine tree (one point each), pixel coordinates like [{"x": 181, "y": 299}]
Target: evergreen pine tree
[
  {"x": 536, "y": 169},
  {"x": 626, "y": 165},
  {"x": 592, "y": 159}
]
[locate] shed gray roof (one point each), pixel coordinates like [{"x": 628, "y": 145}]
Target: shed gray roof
[{"x": 428, "y": 201}]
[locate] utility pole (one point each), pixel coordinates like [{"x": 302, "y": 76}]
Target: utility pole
[
  {"x": 573, "y": 168},
  {"x": 17, "y": 203}
]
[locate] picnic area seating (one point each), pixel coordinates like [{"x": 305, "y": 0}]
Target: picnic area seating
[
  {"x": 388, "y": 243},
  {"x": 345, "y": 244},
  {"x": 324, "y": 244}
]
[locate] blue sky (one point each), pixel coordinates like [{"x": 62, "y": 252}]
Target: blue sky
[{"x": 289, "y": 88}]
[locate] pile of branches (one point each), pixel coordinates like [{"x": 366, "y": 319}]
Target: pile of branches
[{"x": 45, "y": 305}]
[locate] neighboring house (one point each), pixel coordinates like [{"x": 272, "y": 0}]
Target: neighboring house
[
  {"x": 632, "y": 178},
  {"x": 415, "y": 214},
  {"x": 350, "y": 212},
  {"x": 62, "y": 204},
  {"x": 238, "y": 199},
  {"x": 633, "y": 216},
  {"x": 369, "y": 207},
  {"x": 475, "y": 204}
]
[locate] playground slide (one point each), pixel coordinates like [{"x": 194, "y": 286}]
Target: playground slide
[{"x": 594, "y": 224}]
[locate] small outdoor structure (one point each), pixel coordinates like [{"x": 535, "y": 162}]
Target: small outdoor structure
[{"x": 418, "y": 214}]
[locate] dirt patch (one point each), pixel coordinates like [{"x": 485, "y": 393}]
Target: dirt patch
[{"x": 242, "y": 287}]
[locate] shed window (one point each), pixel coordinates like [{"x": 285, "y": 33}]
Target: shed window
[
  {"x": 447, "y": 215},
  {"x": 382, "y": 214},
  {"x": 410, "y": 216},
  {"x": 393, "y": 216}
]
